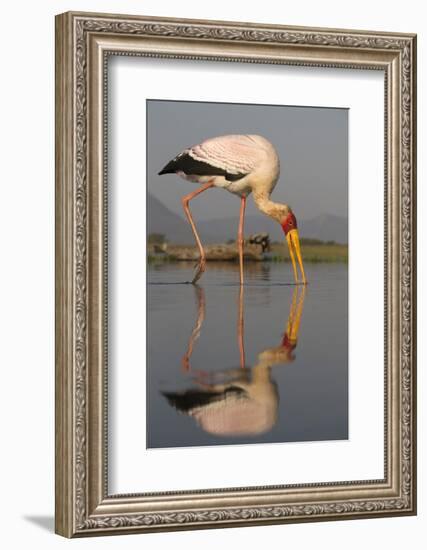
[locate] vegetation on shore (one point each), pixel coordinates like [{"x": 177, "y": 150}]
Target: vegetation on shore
[{"x": 313, "y": 251}]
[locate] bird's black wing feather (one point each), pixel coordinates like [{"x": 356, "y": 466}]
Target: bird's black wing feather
[
  {"x": 185, "y": 163},
  {"x": 190, "y": 399}
]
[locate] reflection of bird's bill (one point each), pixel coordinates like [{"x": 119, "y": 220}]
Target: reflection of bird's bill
[
  {"x": 295, "y": 250},
  {"x": 294, "y": 319}
]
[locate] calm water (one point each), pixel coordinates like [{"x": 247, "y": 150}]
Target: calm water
[{"x": 264, "y": 364}]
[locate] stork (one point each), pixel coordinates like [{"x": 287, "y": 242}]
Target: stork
[{"x": 241, "y": 164}]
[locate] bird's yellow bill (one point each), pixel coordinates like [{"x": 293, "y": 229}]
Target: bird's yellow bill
[{"x": 295, "y": 251}]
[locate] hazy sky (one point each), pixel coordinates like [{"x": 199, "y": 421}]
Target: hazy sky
[{"x": 312, "y": 144}]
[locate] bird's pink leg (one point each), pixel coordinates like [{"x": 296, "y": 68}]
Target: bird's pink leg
[
  {"x": 185, "y": 200},
  {"x": 240, "y": 236},
  {"x": 240, "y": 329}
]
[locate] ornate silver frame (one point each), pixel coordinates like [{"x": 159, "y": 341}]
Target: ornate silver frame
[{"x": 83, "y": 42}]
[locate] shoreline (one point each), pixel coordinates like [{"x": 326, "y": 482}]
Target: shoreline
[{"x": 311, "y": 253}]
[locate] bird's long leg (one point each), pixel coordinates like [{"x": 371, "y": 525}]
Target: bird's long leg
[
  {"x": 240, "y": 236},
  {"x": 240, "y": 328},
  {"x": 185, "y": 200}
]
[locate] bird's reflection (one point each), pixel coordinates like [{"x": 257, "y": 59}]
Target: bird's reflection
[
  {"x": 201, "y": 313},
  {"x": 241, "y": 401}
]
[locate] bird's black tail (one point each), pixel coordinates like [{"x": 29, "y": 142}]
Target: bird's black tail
[{"x": 170, "y": 168}]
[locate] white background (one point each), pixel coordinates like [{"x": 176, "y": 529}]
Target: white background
[
  {"x": 27, "y": 274},
  {"x": 362, "y": 455}
]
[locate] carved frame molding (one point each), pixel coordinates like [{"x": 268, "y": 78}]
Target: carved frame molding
[{"x": 83, "y": 43}]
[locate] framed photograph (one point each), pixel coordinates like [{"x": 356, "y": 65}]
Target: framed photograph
[{"x": 235, "y": 274}]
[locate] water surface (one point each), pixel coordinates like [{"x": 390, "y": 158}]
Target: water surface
[{"x": 262, "y": 364}]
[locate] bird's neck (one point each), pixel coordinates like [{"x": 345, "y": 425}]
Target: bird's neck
[{"x": 267, "y": 206}]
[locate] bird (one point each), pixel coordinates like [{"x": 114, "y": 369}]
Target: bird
[{"x": 240, "y": 164}]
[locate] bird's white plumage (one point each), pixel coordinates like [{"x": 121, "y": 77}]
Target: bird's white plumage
[
  {"x": 247, "y": 155},
  {"x": 237, "y": 154}
]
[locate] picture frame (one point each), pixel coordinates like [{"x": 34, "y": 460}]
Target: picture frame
[{"x": 84, "y": 42}]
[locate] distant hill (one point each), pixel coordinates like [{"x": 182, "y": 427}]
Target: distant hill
[
  {"x": 163, "y": 220},
  {"x": 326, "y": 227}
]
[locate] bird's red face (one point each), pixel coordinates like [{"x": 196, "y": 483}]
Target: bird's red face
[
  {"x": 289, "y": 223},
  {"x": 289, "y": 226}
]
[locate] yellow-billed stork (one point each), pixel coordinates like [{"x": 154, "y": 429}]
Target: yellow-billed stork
[{"x": 241, "y": 164}]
